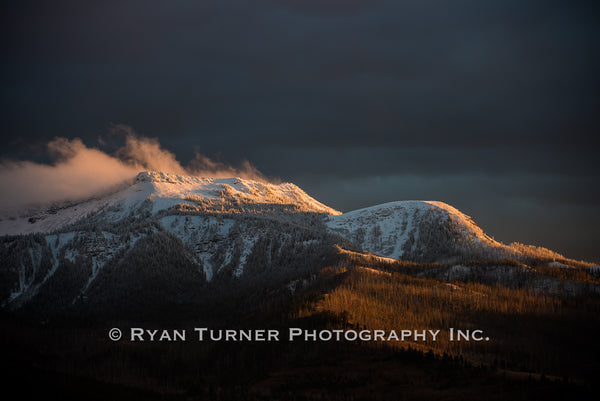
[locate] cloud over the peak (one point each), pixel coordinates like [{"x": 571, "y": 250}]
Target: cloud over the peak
[{"x": 79, "y": 171}]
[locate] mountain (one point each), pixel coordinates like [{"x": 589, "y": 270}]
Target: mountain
[
  {"x": 166, "y": 238},
  {"x": 164, "y": 192},
  {"x": 423, "y": 231},
  {"x": 168, "y": 252}
]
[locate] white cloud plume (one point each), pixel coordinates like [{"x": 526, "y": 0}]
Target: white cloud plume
[{"x": 79, "y": 171}]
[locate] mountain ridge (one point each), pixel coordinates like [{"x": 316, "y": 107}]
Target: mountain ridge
[
  {"x": 215, "y": 231},
  {"x": 164, "y": 190}
]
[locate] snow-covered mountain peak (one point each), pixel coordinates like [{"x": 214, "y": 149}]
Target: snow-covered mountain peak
[
  {"x": 165, "y": 191},
  {"x": 407, "y": 228},
  {"x": 209, "y": 194}
]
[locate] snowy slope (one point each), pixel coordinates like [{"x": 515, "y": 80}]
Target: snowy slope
[
  {"x": 166, "y": 191},
  {"x": 416, "y": 230}
]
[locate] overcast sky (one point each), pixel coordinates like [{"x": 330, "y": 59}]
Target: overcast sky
[{"x": 493, "y": 107}]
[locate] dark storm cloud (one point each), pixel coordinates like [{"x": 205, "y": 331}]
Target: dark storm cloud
[
  {"x": 322, "y": 92},
  {"x": 372, "y": 161}
]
